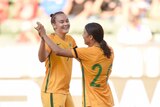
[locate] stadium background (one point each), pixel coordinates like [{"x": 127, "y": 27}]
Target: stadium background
[{"x": 135, "y": 78}]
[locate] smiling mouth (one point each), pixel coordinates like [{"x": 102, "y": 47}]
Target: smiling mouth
[{"x": 65, "y": 28}]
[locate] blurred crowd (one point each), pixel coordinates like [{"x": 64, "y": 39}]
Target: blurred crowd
[
  {"x": 103, "y": 9},
  {"x": 112, "y": 10}
]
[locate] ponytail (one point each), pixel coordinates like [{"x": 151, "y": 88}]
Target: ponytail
[
  {"x": 97, "y": 32},
  {"x": 105, "y": 48}
]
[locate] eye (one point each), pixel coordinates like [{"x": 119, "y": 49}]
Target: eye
[
  {"x": 67, "y": 21},
  {"x": 61, "y": 21}
]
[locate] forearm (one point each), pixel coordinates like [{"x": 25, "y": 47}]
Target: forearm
[
  {"x": 56, "y": 49},
  {"x": 42, "y": 53}
]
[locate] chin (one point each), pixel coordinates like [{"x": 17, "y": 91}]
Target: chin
[
  {"x": 65, "y": 31},
  {"x": 85, "y": 43}
]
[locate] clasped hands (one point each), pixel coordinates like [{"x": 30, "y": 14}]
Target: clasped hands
[{"x": 41, "y": 30}]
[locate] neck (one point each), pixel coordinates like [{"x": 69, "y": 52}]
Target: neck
[
  {"x": 62, "y": 36},
  {"x": 94, "y": 43}
]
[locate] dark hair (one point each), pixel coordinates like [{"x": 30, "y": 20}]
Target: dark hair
[
  {"x": 53, "y": 16},
  {"x": 97, "y": 32}
]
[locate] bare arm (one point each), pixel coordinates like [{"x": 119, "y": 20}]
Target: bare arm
[
  {"x": 42, "y": 53},
  {"x": 56, "y": 49}
]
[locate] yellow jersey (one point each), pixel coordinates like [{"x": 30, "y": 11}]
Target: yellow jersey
[
  {"x": 58, "y": 68},
  {"x": 96, "y": 69}
]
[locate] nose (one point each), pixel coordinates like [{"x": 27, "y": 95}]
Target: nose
[{"x": 66, "y": 23}]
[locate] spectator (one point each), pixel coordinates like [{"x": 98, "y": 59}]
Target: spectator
[
  {"x": 143, "y": 6},
  {"x": 4, "y": 5},
  {"x": 106, "y": 9},
  {"x": 134, "y": 32},
  {"x": 79, "y": 9},
  {"x": 25, "y": 9},
  {"x": 24, "y": 12}
]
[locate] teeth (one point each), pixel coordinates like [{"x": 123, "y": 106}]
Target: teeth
[{"x": 66, "y": 28}]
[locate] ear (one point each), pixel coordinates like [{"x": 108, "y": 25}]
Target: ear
[
  {"x": 91, "y": 37},
  {"x": 54, "y": 27}
]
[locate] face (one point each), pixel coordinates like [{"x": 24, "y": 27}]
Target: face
[
  {"x": 61, "y": 24},
  {"x": 86, "y": 37}
]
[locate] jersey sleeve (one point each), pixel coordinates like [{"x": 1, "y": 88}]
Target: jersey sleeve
[
  {"x": 74, "y": 53},
  {"x": 74, "y": 45},
  {"x": 81, "y": 53}
]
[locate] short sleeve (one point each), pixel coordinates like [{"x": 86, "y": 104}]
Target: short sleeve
[
  {"x": 73, "y": 41},
  {"x": 81, "y": 53}
]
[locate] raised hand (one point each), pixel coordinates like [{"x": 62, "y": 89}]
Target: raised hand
[{"x": 41, "y": 30}]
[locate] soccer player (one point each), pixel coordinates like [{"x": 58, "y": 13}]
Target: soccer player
[
  {"x": 96, "y": 62},
  {"x": 55, "y": 87}
]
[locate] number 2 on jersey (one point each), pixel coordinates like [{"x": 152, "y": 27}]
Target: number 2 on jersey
[{"x": 93, "y": 83}]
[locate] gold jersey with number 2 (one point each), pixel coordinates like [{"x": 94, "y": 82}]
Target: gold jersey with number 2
[{"x": 96, "y": 69}]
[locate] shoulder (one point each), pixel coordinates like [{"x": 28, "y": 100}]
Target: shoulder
[
  {"x": 87, "y": 50},
  {"x": 69, "y": 37},
  {"x": 52, "y": 35}
]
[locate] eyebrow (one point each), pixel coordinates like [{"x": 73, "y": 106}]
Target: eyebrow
[{"x": 63, "y": 20}]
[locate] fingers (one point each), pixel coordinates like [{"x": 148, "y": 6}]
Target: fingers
[
  {"x": 37, "y": 28},
  {"x": 39, "y": 24},
  {"x": 40, "y": 28}
]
